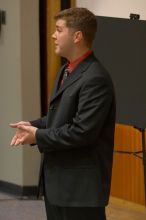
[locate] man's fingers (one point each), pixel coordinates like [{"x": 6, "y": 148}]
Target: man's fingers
[
  {"x": 14, "y": 139},
  {"x": 24, "y": 128},
  {"x": 18, "y": 141},
  {"x": 21, "y": 134},
  {"x": 13, "y": 125},
  {"x": 24, "y": 135}
]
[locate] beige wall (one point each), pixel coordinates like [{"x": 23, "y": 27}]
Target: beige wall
[
  {"x": 19, "y": 88},
  {"x": 115, "y": 8}
]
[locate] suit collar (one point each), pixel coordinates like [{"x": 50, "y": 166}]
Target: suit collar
[{"x": 73, "y": 77}]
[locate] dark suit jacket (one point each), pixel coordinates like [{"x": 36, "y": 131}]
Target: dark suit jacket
[{"x": 77, "y": 137}]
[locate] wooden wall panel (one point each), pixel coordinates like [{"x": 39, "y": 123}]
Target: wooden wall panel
[
  {"x": 53, "y": 61},
  {"x": 128, "y": 177},
  {"x": 73, "y": 3}
]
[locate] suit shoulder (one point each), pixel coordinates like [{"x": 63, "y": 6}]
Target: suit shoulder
[
  {"x": 96, "y": 74},
  {"x": 97, "y": 70}
]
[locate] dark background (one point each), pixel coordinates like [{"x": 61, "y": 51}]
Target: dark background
[{"x": 120, "y": 45}]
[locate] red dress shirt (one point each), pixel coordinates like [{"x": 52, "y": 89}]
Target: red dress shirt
[{"x": 72, "y": 65}]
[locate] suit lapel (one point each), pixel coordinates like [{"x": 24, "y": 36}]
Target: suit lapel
[
  {"x": 73, "y": 77},
  {"x": 57, "y": 81}
]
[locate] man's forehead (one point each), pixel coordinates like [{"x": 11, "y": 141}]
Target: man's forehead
[{"x": 60, "y": 23}]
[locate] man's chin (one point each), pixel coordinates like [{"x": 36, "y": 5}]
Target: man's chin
[{"x": 57, "y": 52}]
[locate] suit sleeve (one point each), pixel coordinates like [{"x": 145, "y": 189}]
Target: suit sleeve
[
  {"x": 95, "y": 99},
  {"x": 39, "y": 123}
]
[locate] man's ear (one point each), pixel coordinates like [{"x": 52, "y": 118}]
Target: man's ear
[{"x": 78, "y": 36}]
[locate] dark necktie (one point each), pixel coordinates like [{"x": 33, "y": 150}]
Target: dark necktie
[{"x": 65, "y": 75}]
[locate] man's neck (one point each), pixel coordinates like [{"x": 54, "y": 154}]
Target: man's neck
[{"x": 76, "y": 54}]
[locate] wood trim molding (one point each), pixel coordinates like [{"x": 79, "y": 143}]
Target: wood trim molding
[{"x": 126, "y": 204}]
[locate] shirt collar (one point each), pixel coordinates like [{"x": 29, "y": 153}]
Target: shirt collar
[{"x": 72, "y": 65}]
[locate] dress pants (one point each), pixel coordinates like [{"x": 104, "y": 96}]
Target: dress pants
[{"x": 74, "y": 213}]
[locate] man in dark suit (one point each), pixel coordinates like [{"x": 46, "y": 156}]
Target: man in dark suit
[{"x": 77, "y": 135}]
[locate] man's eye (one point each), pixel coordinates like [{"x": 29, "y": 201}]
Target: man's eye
[{"x": 59, "y": 29}]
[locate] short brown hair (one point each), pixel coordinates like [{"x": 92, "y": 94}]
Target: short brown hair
[{"x": 80, "y": 19}]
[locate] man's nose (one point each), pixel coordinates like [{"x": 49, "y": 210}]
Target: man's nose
[{"x": 54, "y": 36}]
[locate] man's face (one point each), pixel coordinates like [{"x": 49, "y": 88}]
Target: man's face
[{"x": 63, "y": 39}]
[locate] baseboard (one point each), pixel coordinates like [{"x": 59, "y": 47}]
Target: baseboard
[
  {"x": 127, "y": 204},
  {"x": 18, "y": 190}
]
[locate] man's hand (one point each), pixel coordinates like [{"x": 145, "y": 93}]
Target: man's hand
[
  {"x": 15, "y": 125},
  {"x": 25, "y": 133}
]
